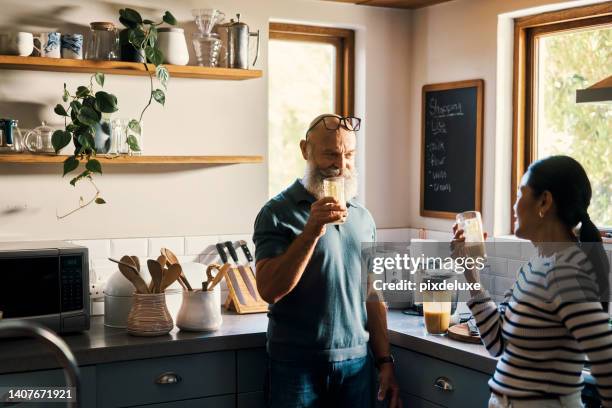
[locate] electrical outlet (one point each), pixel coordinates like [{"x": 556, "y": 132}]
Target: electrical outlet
[{"x": 96, "y": 290}]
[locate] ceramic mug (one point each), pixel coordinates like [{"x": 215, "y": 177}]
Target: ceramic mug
[
  {"x": 72, "y": 46},
  {"x": 16, "y": 43},
  {"x": 48, "y": 44}
]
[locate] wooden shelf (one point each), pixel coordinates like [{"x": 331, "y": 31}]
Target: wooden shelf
[
  {"x": 122, "y": 68},
  {"x": 25, "y": 158}
]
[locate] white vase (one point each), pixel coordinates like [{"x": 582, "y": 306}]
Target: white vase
[{"x": 171, "y": 41}]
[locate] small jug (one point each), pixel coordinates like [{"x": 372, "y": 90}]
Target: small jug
[
  {"x": 38, "y": 140},
  {"x": 200, "y": 310}
]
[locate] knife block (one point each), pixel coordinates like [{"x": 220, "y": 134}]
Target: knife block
[{"x": 239, "y": 297}]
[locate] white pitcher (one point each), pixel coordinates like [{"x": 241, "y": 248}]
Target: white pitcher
[{"x": 200, "y": 310}]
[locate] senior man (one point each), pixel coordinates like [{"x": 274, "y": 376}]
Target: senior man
[{"x": 309, "y": 270}]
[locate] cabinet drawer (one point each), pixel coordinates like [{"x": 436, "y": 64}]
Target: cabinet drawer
[
  {"x": 252, "y": 369},
  {"x": 417, "y": 375},
  {"x": 140, "y": 381},
  {"x": 251, "y": 400},
  {"x": 222, "y": 401},
  {"x": 53, "y": 378}
]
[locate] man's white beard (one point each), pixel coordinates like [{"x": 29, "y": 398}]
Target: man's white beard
[{"x": 313, "y": 180}]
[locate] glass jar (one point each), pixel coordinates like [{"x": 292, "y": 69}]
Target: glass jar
[
  {"x": 103, "y": 42},
  {"x": 121, "y": 131},
  {"x": 206, "y": 47}
]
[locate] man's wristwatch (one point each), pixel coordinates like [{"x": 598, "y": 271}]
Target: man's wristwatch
[{"x": 384, "y": 360}]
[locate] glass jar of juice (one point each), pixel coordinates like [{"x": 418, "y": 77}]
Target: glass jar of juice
[{"x": 437, "y": 310}]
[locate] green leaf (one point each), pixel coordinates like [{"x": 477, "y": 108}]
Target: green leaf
[
  {"x": 60, "y": 110},
  {"x": 106, "y": 102},
  {"x": 130, "y": 15},
  {"x": 86, "y": 140},
  {"x": 134, "y": 126},
  {"x": 86, "y": 173},
  {"x": 152, "y": 36},
  {"x": 100, "y": 200},
  {"x": 71, "y": 127},
  {"x": 66, "y": 94},
  {"x": 70, "y": 164},
  {"x": 76, "y": 105},
  {"x": 90, "y": 101},
  {"x": 154, "y": 55},
  {"x": 99, "y": 78},
  {"x": 136, "y": 37},
  {"x": 162, "y": 74},
  {"x": 133, "y": 143},
  {"x": 82, "y": 91},
  {"x": 159, "y": 96},
  {"x": 88, "y": 116},
  {"x": 94, "y": 166},
  {"x": 169, "y": 18},
  {"x": 60, "y": 139}
]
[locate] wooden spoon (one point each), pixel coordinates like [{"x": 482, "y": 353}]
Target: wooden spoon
[
  {"x": 162, "y": 261},
  {"x": 136, "y": 262},
  {"x": 173, "y": 260},
  {"x": 220, "y": 275},
  {"x": 170, "y": 276},
  {"x": 127, "y": 268},
  {"x": 157, "y": 274},
  {"x": 170, "y": 257}
]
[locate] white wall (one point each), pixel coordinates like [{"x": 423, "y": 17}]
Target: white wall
[
  {"x": 200, "y": 117},
  {"x": 456, "y": 41}
]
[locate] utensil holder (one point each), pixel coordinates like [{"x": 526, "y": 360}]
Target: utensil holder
[
  {"x": 149, "y": 315},
  {"x": 200, "y": 310}
]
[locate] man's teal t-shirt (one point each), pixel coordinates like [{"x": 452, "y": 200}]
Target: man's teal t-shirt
[{"x": 324, "y": 316}]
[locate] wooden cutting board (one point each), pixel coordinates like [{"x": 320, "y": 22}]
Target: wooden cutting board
[{"x": 461, "y": 332}]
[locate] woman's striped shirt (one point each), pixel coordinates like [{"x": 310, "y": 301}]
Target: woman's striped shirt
[{"x": 549, "y": 323}]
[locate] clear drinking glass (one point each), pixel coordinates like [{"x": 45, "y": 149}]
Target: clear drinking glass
[
  {"x": 121, "y": 131},
  {"x": 334, "y": 187},
  {"x": 471, "y": 224},
  {"x": 437, "y": 311}
]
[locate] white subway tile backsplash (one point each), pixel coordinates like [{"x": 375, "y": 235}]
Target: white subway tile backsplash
[
  {"x": 486, "y": 282},
  {"x": 175, "y": 244},
  {"x": 528, "y": 251},
  {"x": 499, "y": 266},
  {"x": 443, "y": 236},
  {"x": 97, "y": 248},
  {"x": 508, "y": 248},
  {"x": 129, "y": 246},
  {"x": 203, "y": 244},
  {"x": 393, "y": 235},
  {"x": 513, "y": 268},
  {"x": 502, "y": 284}
]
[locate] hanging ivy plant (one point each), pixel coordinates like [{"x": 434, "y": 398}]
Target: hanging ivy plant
[{"x": 86, "y": 105}]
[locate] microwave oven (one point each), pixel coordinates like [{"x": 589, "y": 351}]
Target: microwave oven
[{"x": 45, "y": 282}]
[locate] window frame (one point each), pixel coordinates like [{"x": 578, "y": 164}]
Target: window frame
[
  {"x": 526, "y": 32},
  {"x": 344, "y": 42}
]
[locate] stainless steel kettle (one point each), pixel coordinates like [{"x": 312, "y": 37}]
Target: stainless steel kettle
[{"x": 235, "y": 37}]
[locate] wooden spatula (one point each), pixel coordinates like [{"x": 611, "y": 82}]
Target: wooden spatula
[
  {"x": 173, "y": 260},
  {"x": 128, "y": 269},
  {"x": 170, "y": 276},
  {"x": 155, "y": 270}
]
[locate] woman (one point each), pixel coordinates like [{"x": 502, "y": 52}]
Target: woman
[{"x": 552, "y": 317}]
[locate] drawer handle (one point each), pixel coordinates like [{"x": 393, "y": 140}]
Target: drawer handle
[
  {"x": 443, "y": 384},
  {"x": 168, "y": 378}
]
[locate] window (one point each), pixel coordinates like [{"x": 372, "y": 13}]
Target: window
[
  {"x": 310, "y": 71},
  {"x": 556, "y": 54}
]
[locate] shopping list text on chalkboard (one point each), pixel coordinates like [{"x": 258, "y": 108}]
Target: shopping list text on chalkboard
[{"x": 451, "y": 148}]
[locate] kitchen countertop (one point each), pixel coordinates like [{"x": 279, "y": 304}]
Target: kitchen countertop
[{"x": 104, "y": 344}]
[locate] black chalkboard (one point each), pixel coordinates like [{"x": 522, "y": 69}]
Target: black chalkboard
[{"x": 451, "y": 148}]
